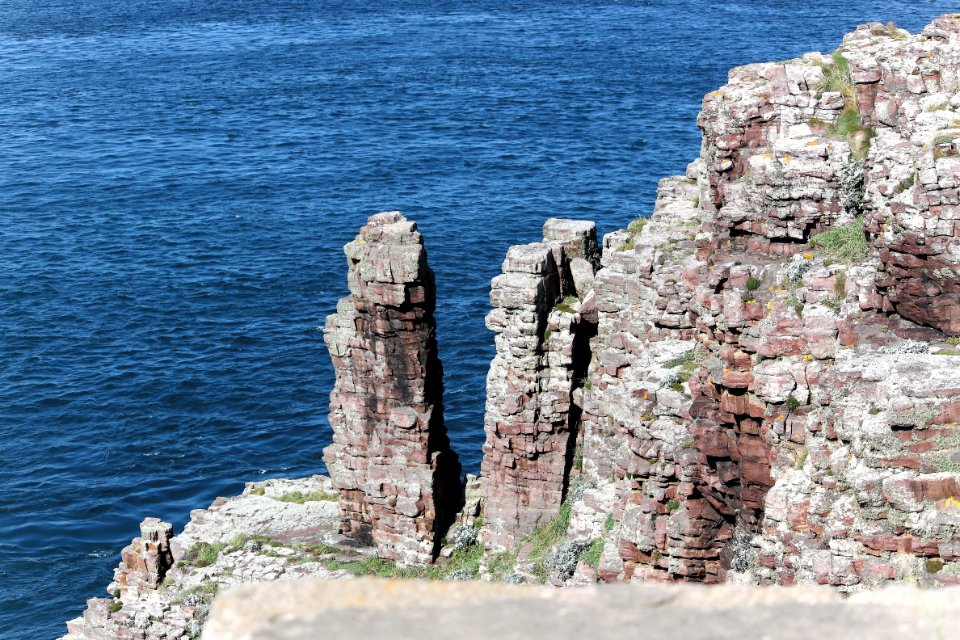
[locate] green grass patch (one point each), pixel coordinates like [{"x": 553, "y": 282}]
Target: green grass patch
[
  {"x": 836, "y": 77},
  {"x": 549, "y": 534},
  {"x": 592, "y": 555},
  {"x": 847, "y": 243},
  {"x": 202, "y": 554},
  {"x": 840, "y": 284},
  {"x": 753, "y": 284},
  {"x": 322, "y": 549},
  {"x": 890, "y": 30},
  {"x": 366, "y": 566},
  {"x": 637, "y": 225},
  {"x": 299, "y": 497},
  {"x": 608, "y": 523},
  {"x": 464, "y": 562},
  {"x": 690, "y": 357},
  {"x": 241, "y": 539},
  {"x": 204, "y": 591},
  {"x": 794, "y": 303},
  {"x": 940, "y": 145},
  {"x": 933, "y": 565},
  {"x": 501, "y": 564},
  {"x": 907, "y": 182},
  {"x": 566, "y": 305}
]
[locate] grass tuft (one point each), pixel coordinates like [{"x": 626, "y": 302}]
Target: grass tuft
[
  {"x": 500, "y": 565},
  {"x": 592, "y": 555},
  {"x": 203, "y": 554},
  {"x": 299, "y": 497},
  {"x": 847, "y": 243},
  {"x": 566, "y": 305},
  {"x": 609, "y": 522},
  {"x": 836, "y": 77},
  {"x": 637, "y": 225}
]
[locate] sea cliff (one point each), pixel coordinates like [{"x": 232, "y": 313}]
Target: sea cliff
[{"x": 757, "y": 383}]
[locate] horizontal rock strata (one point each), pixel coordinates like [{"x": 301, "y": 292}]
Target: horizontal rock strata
[
  {"x": 273, "y": 531},
  {"x": 541, "y": 338},
  {"x": 730, "y": 360},
  {"x": 399, "y": 481}
]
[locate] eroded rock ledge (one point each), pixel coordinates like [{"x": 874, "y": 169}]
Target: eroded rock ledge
[{"x": 757, "y": 383}]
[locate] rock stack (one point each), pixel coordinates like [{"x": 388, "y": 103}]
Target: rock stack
[
  {"x": 147, "y": 559},
  {"x": 391, "y": 461},
  {"x": 541, "y": 338}
]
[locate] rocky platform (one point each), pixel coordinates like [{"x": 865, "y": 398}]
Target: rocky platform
[{"x": 274, "y": 530}]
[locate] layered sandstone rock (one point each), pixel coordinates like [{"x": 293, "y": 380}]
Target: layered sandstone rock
[
  {"x": 727, "y": 394},
  {"x": 873, "y": 494},
  {"x": 721, "y": 481},
  {"x": 909, "y": 91},
  {"x": 399, "y": 481},
  {"x": 148, "y": 558},
  {"x": 639, "y": 461},
  {"x": 542, "y": 340}
]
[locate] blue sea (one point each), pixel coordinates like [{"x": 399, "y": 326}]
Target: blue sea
[{"x": 178, "y": 178}]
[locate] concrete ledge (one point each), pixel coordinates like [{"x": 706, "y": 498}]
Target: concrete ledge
[{"x": 371, "y": 608}]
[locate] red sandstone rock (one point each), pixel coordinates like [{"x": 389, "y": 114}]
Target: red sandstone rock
[
  {"x": 399, "y": 481},
  {"x": 147, "y": 559}
]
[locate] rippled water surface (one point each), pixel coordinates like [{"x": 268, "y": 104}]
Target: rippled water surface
[{"x": 177, "y": 179}]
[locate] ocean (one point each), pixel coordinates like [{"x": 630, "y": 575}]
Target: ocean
[{"x": 178, "y": 178}]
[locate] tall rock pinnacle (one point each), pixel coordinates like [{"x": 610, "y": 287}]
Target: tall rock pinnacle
[
  {"x": 399, "y": 480},
  {"x": 541, "y": 333}
]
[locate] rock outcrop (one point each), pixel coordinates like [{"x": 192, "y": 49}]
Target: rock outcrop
[
  {"x": 748, "y": 411},
  {"x": 163, "y": 587},
  {"x": 148, "y": 558},
  {"x": 391, "y": 460},
  {"x": 542, "y": 353}
]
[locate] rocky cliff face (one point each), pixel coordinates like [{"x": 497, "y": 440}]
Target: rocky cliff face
[
  {"x": 399, "y": 481},
  {"x": 757, "y": 383},
  {"x": 771, "y": 394}
]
